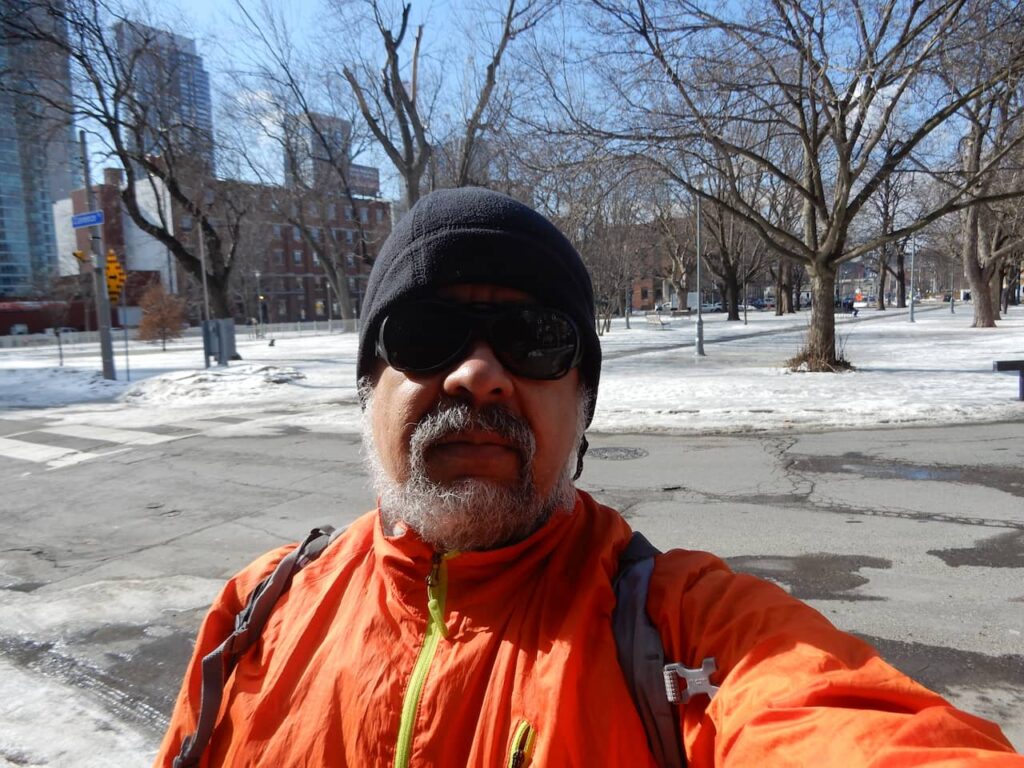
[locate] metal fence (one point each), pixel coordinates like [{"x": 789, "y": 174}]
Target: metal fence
[{"x": 242, "y": 332}]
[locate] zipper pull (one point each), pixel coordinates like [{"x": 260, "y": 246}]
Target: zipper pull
[
  {"x": 433, "y": 577},
  {"x": 436, "y": 594},
  {"x": 522, "y": 745}
]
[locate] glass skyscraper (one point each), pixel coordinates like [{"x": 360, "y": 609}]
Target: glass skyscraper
[
  {"x": 170, "y": 92},
  {"x": 38, "y": 160}
]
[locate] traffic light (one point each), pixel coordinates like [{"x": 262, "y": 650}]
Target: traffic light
[{"x": 116, "y": 277}]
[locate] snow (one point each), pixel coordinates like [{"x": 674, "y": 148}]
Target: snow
[{"x": 935, "y": 370}]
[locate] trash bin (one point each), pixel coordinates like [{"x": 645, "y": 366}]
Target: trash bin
[{"x": 219, "y": 340}]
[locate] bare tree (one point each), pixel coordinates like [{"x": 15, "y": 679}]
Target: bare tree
[
  {"x": 675, "y": 242},
  {"x": 392, "y": 101},
  {"x": 122, "y": 85},
  {"x": 800, "y": 93},
  {"x": 990, "y": 150},
  {"x": 294, "y": 112}
]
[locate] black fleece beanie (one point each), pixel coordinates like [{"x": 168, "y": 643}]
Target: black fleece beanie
[{"x": 472, "y": 235}]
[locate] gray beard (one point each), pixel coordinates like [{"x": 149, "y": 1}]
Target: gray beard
[{"x": 467, "y": 514}]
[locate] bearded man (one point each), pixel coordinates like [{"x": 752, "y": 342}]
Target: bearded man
[{"x": 467, "y": 621}]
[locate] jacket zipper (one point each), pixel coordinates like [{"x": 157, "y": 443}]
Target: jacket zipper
[
  {"x": 437, "y": 585},
  {"x": 522, "y": 745}
]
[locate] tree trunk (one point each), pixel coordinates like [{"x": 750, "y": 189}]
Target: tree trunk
[
  {"x": 797, "y": 281},
  {"x": 680, "y": 288},
  {"x": 978, "y": 276},
  {"x": 820, "y": 353},
  {"x": 220, "y": 305},
  {"x": 732, "y": 297},
  {"x": 779, "y": 282},
  {"x": 880, "y": 282},
  {"x": 901, "y": 281}
]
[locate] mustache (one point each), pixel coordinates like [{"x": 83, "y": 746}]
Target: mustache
[{"x": 452, "y": 417}]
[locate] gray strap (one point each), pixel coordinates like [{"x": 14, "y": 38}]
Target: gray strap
[
  {"x": 642, "y": 655},
  {"x": 218, "y": 664}
]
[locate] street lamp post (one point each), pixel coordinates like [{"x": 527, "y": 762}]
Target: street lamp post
[
  {"x": 202, "y": 264},
  {"x": 913, "y": 252},
  {"x": 259, "y": 307},
  {"x": 699, "y": 340},
  {"x": 952, "y": 287}
]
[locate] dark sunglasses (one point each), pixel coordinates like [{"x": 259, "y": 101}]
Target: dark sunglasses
[{"x": 530, "y": 340}]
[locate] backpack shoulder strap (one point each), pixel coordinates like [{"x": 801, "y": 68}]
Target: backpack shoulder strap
[
  {"x": 219, "y": 663},
  {"x": 641, "y": 653}
]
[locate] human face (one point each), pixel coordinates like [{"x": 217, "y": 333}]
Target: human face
[{"x": 548, "y": 407}]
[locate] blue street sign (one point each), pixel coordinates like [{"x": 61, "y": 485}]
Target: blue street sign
[{"x": 90, "y": 219}]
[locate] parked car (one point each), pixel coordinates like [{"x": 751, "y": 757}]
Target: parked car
[{"x": 712, "y": 306}]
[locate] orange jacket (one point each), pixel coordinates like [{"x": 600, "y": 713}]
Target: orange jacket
[{"x": 383, "y": 653}]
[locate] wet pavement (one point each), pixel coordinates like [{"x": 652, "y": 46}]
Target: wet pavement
[{"x": 910, "y": 538}]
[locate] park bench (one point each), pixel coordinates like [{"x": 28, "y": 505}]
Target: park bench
[
  {"x": 658, "y": 320},
  {"x": 1012, "y": 365}
]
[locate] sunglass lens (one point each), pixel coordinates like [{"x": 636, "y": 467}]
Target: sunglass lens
[
  {"x": 535, "y": 342},
  {"x": 422, "y": 337}
]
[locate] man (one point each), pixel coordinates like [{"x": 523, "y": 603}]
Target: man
[{"x": 466, "y": 622}]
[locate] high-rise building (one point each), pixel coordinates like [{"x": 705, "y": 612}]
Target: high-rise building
[
  {"x": 315, "y": 146},
  {"x": 170, "y": 93},
  {"x": 38, "y": 156}
]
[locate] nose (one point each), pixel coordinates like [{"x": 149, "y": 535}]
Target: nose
[{"x": 479, "y": 377}]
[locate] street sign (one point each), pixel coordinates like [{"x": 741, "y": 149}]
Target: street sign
[{"x": 88, "y": 219}]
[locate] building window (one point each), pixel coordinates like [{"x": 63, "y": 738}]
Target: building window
[
  {"x": 296, "y": 257},
  {"x": 350, "y": 259},
  {"x": 296, "y": 234},
  {"x": 349, "y": 236},
  {"x": 348, "y": 213},
  {"x": 332, "y": 211},
  {"x": 364, "y": 215},
  {"x": 277, "y": 231},
  {"x": 316, "y": 260},
  {"x": 279, "y": 256},
  {"x": 380, "y": 215}
]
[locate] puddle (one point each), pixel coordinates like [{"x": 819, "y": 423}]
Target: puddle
[
  {"x": 1008, "y": 479},
  {"x": 25, "y": 586},
  {"x": 943, "y": 669},
  {"x": 1003, "y": 551},
  {"x": 819, "y": 576}
]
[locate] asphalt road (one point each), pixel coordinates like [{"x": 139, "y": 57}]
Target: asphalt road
[{"x": 912, "y": 538}]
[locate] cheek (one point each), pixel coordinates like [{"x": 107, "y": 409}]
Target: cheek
[
  {"x": 398, "y": 404},
  {"x": 556, "y": 432}
]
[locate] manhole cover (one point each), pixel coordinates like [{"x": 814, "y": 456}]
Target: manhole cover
[{"x": 617, "y": 454}]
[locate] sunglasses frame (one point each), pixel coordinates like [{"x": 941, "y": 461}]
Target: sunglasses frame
[{"x": 484, "y": 315}]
